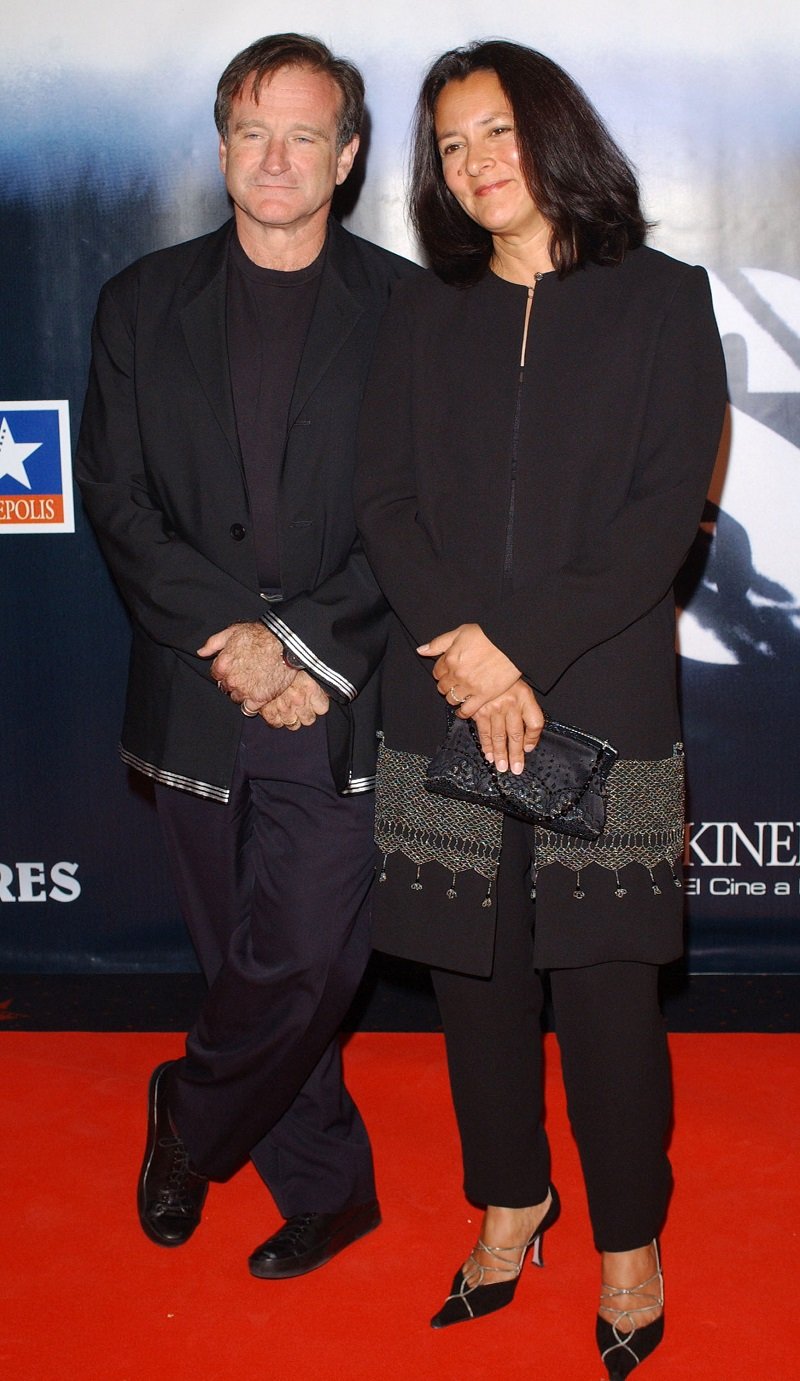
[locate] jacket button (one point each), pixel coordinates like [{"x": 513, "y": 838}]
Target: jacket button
[{"x": 237, "y": 532}]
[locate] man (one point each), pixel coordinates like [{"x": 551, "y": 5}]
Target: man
[{"x": 215, "y": 461}]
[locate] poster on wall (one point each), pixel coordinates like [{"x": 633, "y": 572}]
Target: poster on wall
[
  {"x": 708, "y": 112},
  {"x": 35, "y": 467},
  {"x": 739, "y": 638}
]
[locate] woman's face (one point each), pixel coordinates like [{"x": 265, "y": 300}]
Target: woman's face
[{"x": 480, "y": 160}]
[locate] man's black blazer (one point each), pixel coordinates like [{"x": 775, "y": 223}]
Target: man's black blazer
[{"x": 160, "y": 470}]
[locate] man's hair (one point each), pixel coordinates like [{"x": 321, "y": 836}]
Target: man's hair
[
  {"x": 267, "y": 55},
  {"x": 579, "y": 179}
]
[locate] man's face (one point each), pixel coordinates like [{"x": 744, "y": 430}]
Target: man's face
[{"x": 279, "y": 159}]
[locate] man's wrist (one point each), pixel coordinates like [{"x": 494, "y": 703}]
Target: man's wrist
[{"x": 290, "y": 659}]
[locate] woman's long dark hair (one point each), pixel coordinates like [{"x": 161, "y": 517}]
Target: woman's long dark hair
[{"x": 580, "y": 180}]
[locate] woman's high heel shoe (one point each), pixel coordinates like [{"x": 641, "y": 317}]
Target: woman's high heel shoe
[
  {"x": 471, "y": 1299},
  {"x": 621, "y": 1351}
]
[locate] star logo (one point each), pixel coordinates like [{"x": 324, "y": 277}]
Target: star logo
[
  {"x": 35, "y": 498},
  {"x": 13, "y": 455}
]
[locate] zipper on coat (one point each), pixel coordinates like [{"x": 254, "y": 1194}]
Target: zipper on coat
[{"x": 508, "y": 561}]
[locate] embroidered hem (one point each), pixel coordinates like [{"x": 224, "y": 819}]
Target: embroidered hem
[
  {"x": 644, "y": 822},
  {"x": 431, "y": 829}
]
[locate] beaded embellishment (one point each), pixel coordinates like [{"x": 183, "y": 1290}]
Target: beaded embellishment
[
  {"x": 431, "y": 829},
  {"x": 644, "y": 824},
  {"x": 644, "y": 821}
]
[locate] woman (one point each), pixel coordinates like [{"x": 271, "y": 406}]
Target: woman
[{"x": 538, "y": 435}]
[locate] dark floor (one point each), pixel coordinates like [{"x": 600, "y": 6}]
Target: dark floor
[{"x": 394, "y": 997}]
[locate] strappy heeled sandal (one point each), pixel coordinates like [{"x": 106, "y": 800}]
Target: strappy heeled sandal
[
  {"x": 621, "y": 1351},
  {"x": 470, "y": 1298}
]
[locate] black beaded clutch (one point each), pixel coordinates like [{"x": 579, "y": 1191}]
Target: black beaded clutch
[{"x": 562, "y": 786}]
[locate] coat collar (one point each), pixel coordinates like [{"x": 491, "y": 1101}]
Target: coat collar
[
  {"x": 204, "y": 327},
  {"x": 336, "y": 311},
  {"x": 203, "y": 320}
]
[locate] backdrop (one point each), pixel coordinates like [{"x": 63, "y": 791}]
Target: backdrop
[{"x": 108, "y": 150}]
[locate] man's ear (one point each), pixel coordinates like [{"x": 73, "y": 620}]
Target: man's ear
[{"x": 346, "y": 159}]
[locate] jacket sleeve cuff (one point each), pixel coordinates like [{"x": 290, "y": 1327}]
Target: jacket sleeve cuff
[{"x": 300, "y": 652}]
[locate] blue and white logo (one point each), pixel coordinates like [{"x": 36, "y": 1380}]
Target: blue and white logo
[{"x": 35, "y": 467}]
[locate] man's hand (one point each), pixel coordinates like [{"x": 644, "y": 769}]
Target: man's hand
[
  {"x": 470, "y": 670},
  {"x": 248, "y": 663},
  {"x": 302, "y": 703}
]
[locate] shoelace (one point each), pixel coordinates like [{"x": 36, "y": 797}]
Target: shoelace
[
  {"x": 174, "y": 1197},
  {"x": 295, "y": 1227}
]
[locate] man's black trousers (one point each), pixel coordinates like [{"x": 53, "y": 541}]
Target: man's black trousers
[{"x": 274, "y": 888}]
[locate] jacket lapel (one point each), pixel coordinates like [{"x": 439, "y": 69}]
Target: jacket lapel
[
  {"x": 203, "y": 321},
  {"x": 335, "y": 314}
]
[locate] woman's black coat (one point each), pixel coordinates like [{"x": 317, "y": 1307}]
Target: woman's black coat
[{"x": 621, "y": 412}]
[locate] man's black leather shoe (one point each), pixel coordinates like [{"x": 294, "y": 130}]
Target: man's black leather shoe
[
  {"x": 171, "y": 1194},
  {"x": 308, "y": 1240}
]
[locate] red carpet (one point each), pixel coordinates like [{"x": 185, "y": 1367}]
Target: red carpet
[{"x": 85, "y": 1296}]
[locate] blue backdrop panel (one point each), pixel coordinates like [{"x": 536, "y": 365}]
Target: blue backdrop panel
[{"x": 108, "y": 151}]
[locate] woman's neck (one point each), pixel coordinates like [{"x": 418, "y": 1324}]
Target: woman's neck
[{"x": 519, "y": 261}]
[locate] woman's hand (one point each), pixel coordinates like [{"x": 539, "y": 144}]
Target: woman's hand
[
  {"x": 469, "y": 669},
  {"x": 509, "y": 727}
]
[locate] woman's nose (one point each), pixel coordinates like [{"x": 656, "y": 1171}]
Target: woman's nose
[{"x": 477, "y": 159}]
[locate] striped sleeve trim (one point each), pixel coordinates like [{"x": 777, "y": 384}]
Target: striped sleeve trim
[
  {"x": 158, "y": 774},
  {"x": 356, "y": 786},
  {"x": 304, "y": 654}
]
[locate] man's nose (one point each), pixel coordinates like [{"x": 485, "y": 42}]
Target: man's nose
[{"x": 276, "y": 155}]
